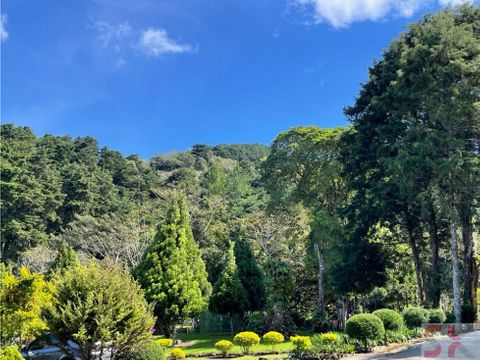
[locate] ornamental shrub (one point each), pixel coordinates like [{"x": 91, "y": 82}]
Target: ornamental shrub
[
  {"x": 256, "y": 321},
  {"x": 164, "y": 342},
  {"x": 153, "y": 351},
  {"x": 415, "y": 316},
  {"x": 331, "y": 343},
  {"x": 365, "y": 328},
  {"x": 246, "y": 340},
  {"x": 468, "y": 314},
  {"x": 329, "y": 338},
  {"x": 10, "y": 352},
  {"x": 273, "y": 338},
  {"x": 437, "y": 316},
  {"x": 301, "y": 342},
  {"x": 224, "y": 346},
  {"x": 177, "y": 353},
  {"x": 391, "y": 319}
]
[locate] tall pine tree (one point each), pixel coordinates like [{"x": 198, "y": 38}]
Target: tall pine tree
[{"x": 172, "y": 272}]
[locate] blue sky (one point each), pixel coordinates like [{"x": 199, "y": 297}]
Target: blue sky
[{"x": 150, "y": 76}]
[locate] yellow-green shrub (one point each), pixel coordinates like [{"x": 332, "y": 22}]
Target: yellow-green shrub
[
  {"x": 301, "y": 342},
  {"x": 177, "y": 353},
  {"x": 224, "y": 346},
  {"x": 246, "y": 340},
  {"x": 273, "y": 338},
  {"x": 10, "y": 352},
  {"x": 329, "y": 338},
  {"x": 164, "y": 342}
]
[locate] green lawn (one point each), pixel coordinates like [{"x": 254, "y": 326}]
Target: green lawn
[{"x": 204, "y": 344}]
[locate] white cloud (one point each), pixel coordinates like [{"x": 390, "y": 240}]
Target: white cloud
[
  {"x": 341, "y": 13},
  {"x": 155, "y": 42},
  {"x": 454, "y": 2},
  {"x": 3, "y": 31}
]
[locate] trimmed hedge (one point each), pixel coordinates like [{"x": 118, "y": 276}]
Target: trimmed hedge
[
  {"x": 246, "y": 340},
  {"x": 391, "y": 319},
  {"x": 273, "y": 338},
  {"x": 365, "y": 328},
  {"x": 436, "y": 316},
  {"x": 224, "y": 346},
  {"x": 415, "y": 316}
]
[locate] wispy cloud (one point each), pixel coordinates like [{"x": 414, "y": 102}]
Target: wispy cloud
[
  {"x": 342, "y": 13},
  {"x": 3, "y": 30},
  {"x": 454, "y": 2},
  {"x": 108, "y": 33},
  {"x": 123, "y": 38},
  {"x": 156, "y": 42}
]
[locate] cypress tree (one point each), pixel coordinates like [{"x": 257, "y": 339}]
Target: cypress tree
[
  {"x": 172, "y": 272},
  {"x": 250, "y": 274},
  {"x": 229, "y": 296}
]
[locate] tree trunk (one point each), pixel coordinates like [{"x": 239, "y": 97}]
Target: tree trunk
[
  {"x": 457, "y": 306},
  {"x": 320, "y": 278},
  {"x": 422, "y": 292},
  {"x": 471, "y": 270},
  {"x": 435, "y": 246},
  {"x": 342, "y": 309}
]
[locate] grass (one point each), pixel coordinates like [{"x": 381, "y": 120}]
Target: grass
[{"x": 198, "y": 345}]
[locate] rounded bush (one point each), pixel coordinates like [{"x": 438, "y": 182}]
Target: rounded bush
[
  {"x": 164, "y": 342},
  {"x": 436, "y": 316},
  {"x": 246, "y": 340},
  {"x": 273, "y": 338},
  {"x": 224, "y": 346},
  {"x": 365, "y": 327},
  {"x": 468, "y": 314},
  {"x": 177, "y": 353},
  {"x": 301, "y": 342},
  {"x": 391, "y": 319},
  {"x": 415, "y": 316}
]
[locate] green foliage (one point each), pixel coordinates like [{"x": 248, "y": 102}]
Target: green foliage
[
  {"x": 331, "y": 343},
  {"x": 256, "y": 321},
  {"x": 436, "y": 316},
  {"x": 99, "y": 302},
  {"x": 415, "y": 316},
  {"x": 177, "y": 353},
  {"x": 391, "y": 319},
  {"x": 246, "y": 340},
  {"x": 229, "y": 296},
  {"x": 10, "y": 352},
  {"x": 365, "y": 327},
  {"x": 224, "y": 346},
  {"x": 66, "y": 258},
  {"x": 21, "y": 300},
  {"x": 152, "y": 351},
  {"x": 172, "y": 272}
]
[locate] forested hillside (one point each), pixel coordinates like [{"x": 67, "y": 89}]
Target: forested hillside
[{"x": 322, "y": 224}]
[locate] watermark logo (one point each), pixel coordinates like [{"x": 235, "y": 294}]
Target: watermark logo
[{"x": 451, "y": 341}]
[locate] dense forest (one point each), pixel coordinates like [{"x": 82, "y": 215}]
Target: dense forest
[{"x": 319, "y": 225}]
